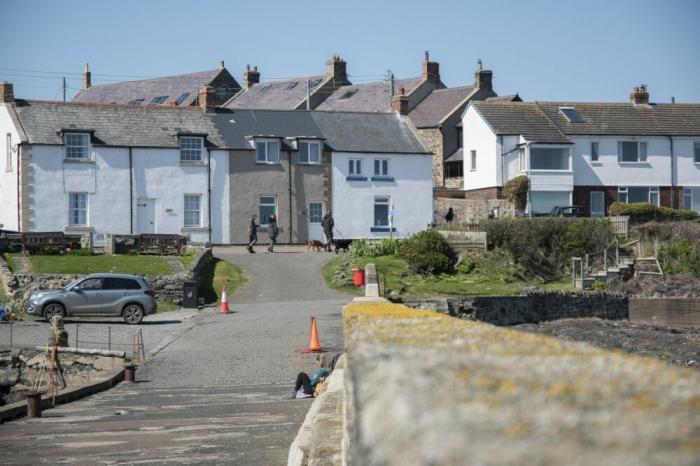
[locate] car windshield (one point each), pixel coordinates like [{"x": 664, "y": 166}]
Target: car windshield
[{"x": 71, "y": 284}]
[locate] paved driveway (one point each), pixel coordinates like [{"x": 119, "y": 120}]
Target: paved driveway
[{"x": 218, "y": 394}]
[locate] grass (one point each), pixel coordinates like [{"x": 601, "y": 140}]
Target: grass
[
  {"x": 9, "y": 258},
  {"x": 187, "y": 260},
  {"x": 490, "y": 277},
  {"x": 217, "y": 275},
  {"x": 137, "y": 265}
]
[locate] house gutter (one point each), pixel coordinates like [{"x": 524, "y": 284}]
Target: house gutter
[
  {"x": 20, "y": 149},
  {"x": 290, "y": 196},
  {"x": 131, "y": 192},
  {"x": 209, "y": 191}
]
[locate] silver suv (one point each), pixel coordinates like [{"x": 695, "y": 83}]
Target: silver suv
[{"x": 97, "y": 295}]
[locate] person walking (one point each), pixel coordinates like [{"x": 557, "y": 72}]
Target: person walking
[
  {"x": 450, "y": 215},
  {"x": 252, "y": 234},
  {"x": 273, "y": 231},
  {"x": 327, "y": 223}
]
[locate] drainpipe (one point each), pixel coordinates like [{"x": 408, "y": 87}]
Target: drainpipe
[
  {"x": 529, "y": 179},
  {"x": 290, "y": 196},
  {"x": 503, "y": 183},
  {"x": 131, "y": 193},
  {"x": 673, "y": 182},
  {"x": 209, "y": 190},
  {"x": 20, "y": 148}
]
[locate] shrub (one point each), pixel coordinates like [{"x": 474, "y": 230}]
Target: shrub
[
  {"x": 82, "y": 252},
  {"x": 49, "y": 251},
  {"x": 669, "y": 230},
  {"x": 645, "y": 212},
  {"x": 428, "y": 252},
  {"x": 368, "y": 248},
  {"x": 465, "y": 266},
  {"x": 516, "y": 190},
  {"x": 680, "y": 257}
]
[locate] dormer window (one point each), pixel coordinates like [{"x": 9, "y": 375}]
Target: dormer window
[
  {"x": 77, "y": 146},
  {"x": 191, "y": 148},
  {"x": 571, "y": 114},
  {"x": 310, "y": 152},
  {"x": 267, "y": 151}
]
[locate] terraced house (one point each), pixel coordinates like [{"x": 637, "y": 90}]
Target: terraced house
[{"x": 586, "y": 154}]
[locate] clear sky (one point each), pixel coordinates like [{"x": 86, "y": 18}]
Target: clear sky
[{"x": 544, "y": 49}]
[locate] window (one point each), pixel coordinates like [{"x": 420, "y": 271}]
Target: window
[
  {"x": 522, "y": 161},
  {"x": 473, "y": 160},
  {"x": 182, "y": 98},
  {"x": 381, "y": 167},
  {"x": 193, "y": 210},
  {"x": 265, "y": 88},
  {"x": 549, "y": 158},
  {"x": 8, "y": 161},
  {"x": 346, "y": 95},
  {"x": 542, "y": 202},
  {"x": 90, "y": 284},
  {"x": 315, "y": 212},
  {"x": 159, "y": 100},
  {"x": 594, "y": 152},
  {"x": 459, "y": 138},
  {"x": 381, "y": 211},
  {"x": 630, "y": 194},
  {"x": 268, "y": 206},
  {"x": 696, "y": 150},
  {"x": 191, "y": 149},
  {"x": 115, "y": 283},
  {"x": 355, "y": 167},
  {"x": 77, "y": 146},
  {"x": 135, "y": 102},
  {"x": 267, "y": 151},
  {"x": 291, "y": 86},
  {"x": 691, "y": 199},
  {"x": 309, "y": 152},
  {"x": 454, "y": 170},
  {"x": 571, "y": 114},
  {"x": 632, "y": 151},
  {"x": 314, "y": 82},
  {"x": 77, "y": 211}
]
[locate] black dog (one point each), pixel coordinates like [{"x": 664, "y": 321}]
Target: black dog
[{"x": 343, "y": 244}]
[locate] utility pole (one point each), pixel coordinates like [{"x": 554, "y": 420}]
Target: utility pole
[
  {"x": 64, "y": 88},
  {"x": 308, "y": 95}
]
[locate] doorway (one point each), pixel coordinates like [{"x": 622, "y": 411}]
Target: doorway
[{"x": 146, "y": 215}]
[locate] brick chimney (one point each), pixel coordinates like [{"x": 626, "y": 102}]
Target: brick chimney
[
  {"x": 639, "y": 95},
  {"x": 483, "y": 79},
  {"x": 7, "y": 93},
  {"x": 206, "y": 99},
  {"x": 336, "y": 70},
  {"x": 221, "y": 65},
  {"x": 250, "y": 77},
  {"x": 431, "y": 69},
  {"x": 399, "y": 103},
  {"x": 87, "y": 77}
]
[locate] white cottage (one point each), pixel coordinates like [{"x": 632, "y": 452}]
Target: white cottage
[{"x": 585, "y": 154}]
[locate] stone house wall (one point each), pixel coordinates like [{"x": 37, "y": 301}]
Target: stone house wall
[
  {"x": 469, "y": 210},
  {"x": 432, "y": 138}
]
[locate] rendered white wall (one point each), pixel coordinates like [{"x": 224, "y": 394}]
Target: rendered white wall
[
  {"x": 411, "y": 194},
  {"x": 479, "y": 136},
  {"x": 688, "y": 172},
  {"x": 8, "y": 179}
]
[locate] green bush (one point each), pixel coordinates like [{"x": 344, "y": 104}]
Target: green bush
[
  {"x": 368, "y": 248},
  {"x": 465, "y": 266},
  {"x": 49, "y": 251},
  {"x": 645, "y": 212},
  {"x": 82, "y": 252},
  {"x": 679, "y": 257},
  {"x": 428, "y": 252},
  {"x": 515, "y": 191}
]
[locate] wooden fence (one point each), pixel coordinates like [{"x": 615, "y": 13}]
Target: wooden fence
[
  {"x": 461, "y": 240},
  {"x": 620, "y": 225}
]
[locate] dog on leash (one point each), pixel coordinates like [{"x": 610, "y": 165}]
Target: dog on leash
[
  {"x": 343, "y": 244},
  {"x": 315, "y": 245}
]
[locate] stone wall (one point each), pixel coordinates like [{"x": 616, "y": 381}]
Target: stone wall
[
  {"x": 468, "y": 210},
  {"x": 456, "y": 182},
  {"x": 432, "y": 138}
]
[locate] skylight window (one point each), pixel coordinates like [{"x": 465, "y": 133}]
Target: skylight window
[
  {"x": 182, "y": 98},
  {"x": 314, "y": 82},
  {"x": 571, "y": 114},
  {"x": 348, "y": 94},
  {"x": 135, "y": 102},
  {"x": 264, "y": 89},
  {"x": 292, "y": 85},
  {"x": 159, "y": 100}
]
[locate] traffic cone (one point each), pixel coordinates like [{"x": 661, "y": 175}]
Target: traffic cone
[
  {"x": 314, "y": 344},
  {"x": 224, "y": 302}
]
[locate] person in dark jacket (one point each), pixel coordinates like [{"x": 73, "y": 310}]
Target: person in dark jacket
[
  {"x": 273, "y": 231},
  {"x": 328, "y": 224},
  {"x": 252, "y": 234},
  {"x": 450, "y": 215}
]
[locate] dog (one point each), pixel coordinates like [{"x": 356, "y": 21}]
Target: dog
[
  {"x": 315, "y": 245},
  {"x": 343, "y": 244}
]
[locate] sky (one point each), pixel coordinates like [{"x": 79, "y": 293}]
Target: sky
[{"x": 543, "y": 49}]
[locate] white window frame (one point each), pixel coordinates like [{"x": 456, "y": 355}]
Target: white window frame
[
  {"x": 185, "y": 211},
  {"x": 383, "y": 166},
  {"x": 191, "y": 148},
  {"x": 640, "y": 152},
  {"x": 70, "y": 145},
  {"x": 8, "y": 162},
  {"x": 696, "y": 152},
  {"x": 595, "y": 152},
  {"x": 308, "y": 160},
  {"x": 260, "y": 204},
  {"x": 355, "y": 167},
  {"x": 568, "y": 159},
  {"x": 265, "y": 143},
  {"x": 320, "y": 214},
  {"x": 522, "y": 159},
  {"x": 472, "y": 158},
  {"x": 653, "y": 191},
  {"x": 379, "y": 200},
  {"x": 72, "y": 208}
]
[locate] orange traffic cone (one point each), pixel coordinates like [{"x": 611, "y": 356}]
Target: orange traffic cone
[
  {"x": 314, "y": 344},
  {"x": 224, "y": 302}
]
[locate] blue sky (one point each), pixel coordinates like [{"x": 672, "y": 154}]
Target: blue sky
[{"x": 543, "y": 49}]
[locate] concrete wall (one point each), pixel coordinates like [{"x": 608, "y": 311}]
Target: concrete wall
[
  {"x": 410, "y": 193},
  {"x": 683, "y": 312},
  {"x": 8, "y": 178}
]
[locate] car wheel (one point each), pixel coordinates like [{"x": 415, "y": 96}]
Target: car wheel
[
  {"x": 54, "y": 309},
  {"x": 133, "y": 314}
]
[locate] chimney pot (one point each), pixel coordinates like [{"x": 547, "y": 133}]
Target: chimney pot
[
  {"x": 250, "y": 78},
  {"x": 221, "y": 64},
  {"x": 431, "y": 69},
  {"x": 673, "y": 100},
  {"x": 87, "y": 77},
  {"x": 427, "y": 56},
  {"x": 7, "y": 93}
]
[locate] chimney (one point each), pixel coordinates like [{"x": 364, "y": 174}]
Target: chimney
[
  {"x": 431, "y": 69},
  {"x": 250, "y": 77},
  {"x": 87, "y": 77},
  {"x": 7, "y": 93},
  {"x": 399, "y": 103},
  {"x": 639, "y": 95},
  {"x": 336, "y": 70},
  {"x": 221, "y": 65},
  {"x": 483, "y": 79},
  {"x": 206, "y": 99}
]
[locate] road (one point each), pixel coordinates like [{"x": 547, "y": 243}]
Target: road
[{"x": 219, "y": 393}]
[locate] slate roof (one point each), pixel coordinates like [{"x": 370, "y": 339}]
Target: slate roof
[
  {"x": 543, "y": 121},
  {"x": 457, "y": 156},
  {"x": 274, "y": 95},
  {"x": 148, "y": 89},
  {"x": 437, "y": 105},
  {"x": 113, "y": 125},
  {"x": 380, "y": 133},
  {"x": 506, "y": 98},
  {"x": 372, "y": 97}
]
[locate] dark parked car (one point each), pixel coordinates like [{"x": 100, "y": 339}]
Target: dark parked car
[
  {"x": 103, "y": 294},
  {"x": 569, "y": 211}
]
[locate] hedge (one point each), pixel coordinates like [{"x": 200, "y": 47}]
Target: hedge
[{"x": 645, "y": 212}]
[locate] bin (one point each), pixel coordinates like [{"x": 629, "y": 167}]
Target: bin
[
  {"x": 358, "y": 277},
  {"x": 189, "y": 295}
]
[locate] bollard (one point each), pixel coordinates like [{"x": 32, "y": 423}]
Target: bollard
[
  {"x": 129, "y": 373},
  {"x": 33, "y": 404}
]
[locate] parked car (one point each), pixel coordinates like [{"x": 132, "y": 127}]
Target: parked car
[
  {"x": 99, "y": 294},
  {"x": 568, "y": 211}
]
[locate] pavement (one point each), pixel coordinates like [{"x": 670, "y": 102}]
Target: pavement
[{"x": 216, "y": 391}]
